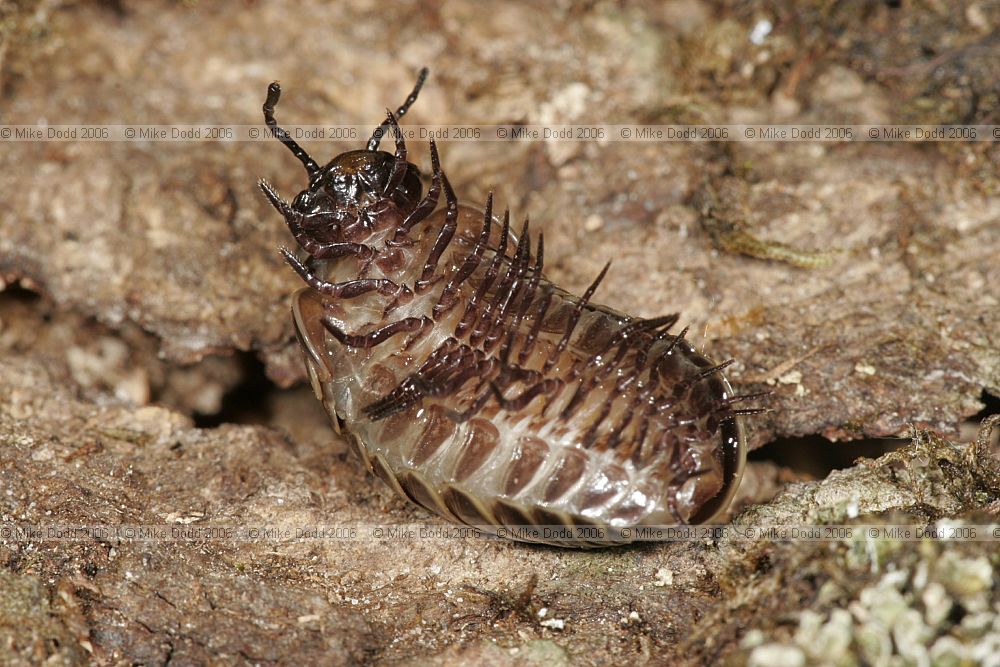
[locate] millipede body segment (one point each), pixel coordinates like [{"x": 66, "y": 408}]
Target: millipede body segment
[{"x": 475, "y": 387}]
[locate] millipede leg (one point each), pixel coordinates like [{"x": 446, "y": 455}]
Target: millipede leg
[
  {"x": 443, "y": 239},
  {"x": 543, "y": 388},
  {"x": 740, "y": 398},
  {"x": 399, "y": 159},
  {"x": 510, "y": 374},
  {"x": 348, "y": 289},
  {"x": 407, "y": 394},
  {"x": 590, "y": 437},
  {"x": 634, "y": 327},
  {"x": 484, "y": 318},
  {"x": 472, "y": 308},
  {"x": 478, "y": 404},
  {"x": 577, "y": 310},
  {"x": 426, "y": 325},
  {"x": 654, "y": 377},
  {"x": 628, "y": 415},
  {"x": 718, "y": 368},
  {"x": 746, "y": 412},
  {"x": 335, "y": 250},
  {"x": 536, "y": 326},
  {"x": 509, "y": 290},
  {"x": 529, "y": 297},
  {"x": 428, "y": 203},
  {"x": 372, "y": 339},
  {"x": 620, "y": 338},
  {"x": 447, "y": 368},
  {"x": 276, "y": 200},
  {"x": 447, "y": 299}
]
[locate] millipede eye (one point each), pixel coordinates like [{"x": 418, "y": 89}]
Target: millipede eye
[{"x": 302, "y": 201}]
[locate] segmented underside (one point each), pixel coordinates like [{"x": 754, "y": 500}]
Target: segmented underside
[{"x": 477, "y": 388}]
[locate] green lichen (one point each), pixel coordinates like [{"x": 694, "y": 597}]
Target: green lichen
[
  {"x": 939, "y": 604},
  {"x": 723, "y": 220}
]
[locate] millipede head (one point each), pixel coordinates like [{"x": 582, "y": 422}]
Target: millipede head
[{"x": 344, "y": 197}]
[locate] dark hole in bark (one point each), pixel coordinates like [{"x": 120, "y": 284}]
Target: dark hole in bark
[
  {"x": 815, "y": 456},
  {"x": 248, "y": 401},
  {"x": 991, "y": 407}
]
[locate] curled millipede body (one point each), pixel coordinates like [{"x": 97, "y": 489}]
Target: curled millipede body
[{"x": 475, "y": 387}]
